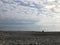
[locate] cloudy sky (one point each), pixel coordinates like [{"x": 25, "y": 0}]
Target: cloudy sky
[{"x": 30, "y": 15}]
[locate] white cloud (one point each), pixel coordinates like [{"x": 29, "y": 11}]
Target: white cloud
[{"x": 47, "y": 12}]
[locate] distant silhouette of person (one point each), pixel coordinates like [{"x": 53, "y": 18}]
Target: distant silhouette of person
[{"x": 42, "y": 30}]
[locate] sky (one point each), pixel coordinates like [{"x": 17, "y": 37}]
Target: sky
[{"x": 30, "y": 15}]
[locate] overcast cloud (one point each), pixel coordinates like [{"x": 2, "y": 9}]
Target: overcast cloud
[{"x": 30, "y": 15}]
